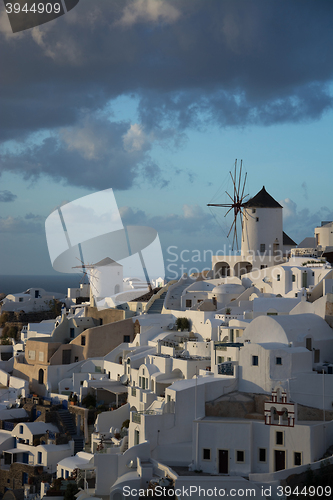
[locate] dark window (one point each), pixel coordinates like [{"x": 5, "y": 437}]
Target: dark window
[
  {"x": 72, "y": 333},
  {"x": 39, "y": 458},
  {"x": 255, "y": 360},
  {"x": 262, "y": 454},
  {"x": 278, "y": 278},
  {"x": 41, "y": 376},
  {"x": 293, "y": 277},
  {"x": 240, "y": 456},
  {"x": 278, "y": 360},
  {"x": 76, "y": 359},
  {"x": 279, "y": 437},
  {"x": 100, "y": 321},
  {"x": 188, "y": 303},
  {"x": 206, "y": 454},
  {"x": 316, "y": 355},
  {"x": 21, "y": 429},
  {"x": 297, "y": 458},
  {"x": 127, "y": 338},
  {"x": 83, "y": 340},
  {"x": 253, "y": 210},
  {"x": 308, "y": 344},
  {"x": 257, "y": 219},
  {"x": 262, "y": 247}
]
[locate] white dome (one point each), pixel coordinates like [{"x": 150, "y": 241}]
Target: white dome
[{"x": 232, "y": 288}]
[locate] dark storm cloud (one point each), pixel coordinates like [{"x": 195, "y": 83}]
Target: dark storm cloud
[
  {"x": 6, "y": 196},
  {"x": 95, "y": 153},
  {"x": 189, "y": 63}
]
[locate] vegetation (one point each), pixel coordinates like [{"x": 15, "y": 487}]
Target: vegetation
[
  {"x": 4, "y": 317},
  {"x": 89, "y": 400},
  {"x": 321, "y": 261},
  {"x": 71, "y": 491},
  {"x": 182, "y": 324},
  {"x": 10, "y": 331},
  {"x": 125, "y": 424}
]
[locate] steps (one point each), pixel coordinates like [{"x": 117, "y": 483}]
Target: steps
[
  {"x": 68, "y": 422},
  {"x": 157, "y": 305}
]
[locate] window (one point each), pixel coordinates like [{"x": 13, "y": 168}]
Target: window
[
  {"x": 316, "y": 355},
  {"x": 278, "y": 360},
  {"x": 140, "y": 381},
  {"x": 257, "y": 219},
  {"x": 278, "y": 277},
  {"x": 253, "y": 210},
  {"x": 188, "y": 303},
  {"x": 127, "y": 338},
  {"x": 81, "y": 382},
  {"x": 83, "y": 340},
  {"x": 255, "y": 361},
  {"x": 262, "y": 454},
  {"x": 220, "y": 359},
  {"x": 263, "y": 266},
  {"x": 71, "y": 333},
  {"x": 206, "y": 454},
  {"x": 76, "y": 359},
  {"x": 31, "y": 355},
  {"x": 40, "y": 356},
  {"x": 293, "y": 278},
  {"x": 39, "y": 457},
  {"x": 240, "y": 456},
  {"x": 21, "y": 429},
  {"x": 297, "y": 458},
  {"x": 262, "y": 247},
  {"x": 279, "y": 437},
  {"x": 229, "y": 359},
  {"x": 20, "y": 299},
  {"x": 136, "y": 437},
  {"x": 66, "y": 474}
]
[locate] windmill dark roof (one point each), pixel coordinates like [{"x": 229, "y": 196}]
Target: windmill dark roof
[
  {"x": 287, "y": 240},
  {"x": 262, "y": 200}
]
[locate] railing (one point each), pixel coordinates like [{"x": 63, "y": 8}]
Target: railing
[
  {"x": 136, "y": 416},
  {"x": 226, "y": 369}
]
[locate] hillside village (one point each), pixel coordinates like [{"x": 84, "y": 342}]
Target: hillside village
[{"x": 218, "y": 380}]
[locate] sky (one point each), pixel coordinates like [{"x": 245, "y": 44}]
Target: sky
[{"x": 156, "y": 99}]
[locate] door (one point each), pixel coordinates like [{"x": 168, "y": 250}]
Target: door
[
  {"x": 304, "y": 280},
  {"x": 223, "y": 461},
  {"x": 280, "y": 460}
]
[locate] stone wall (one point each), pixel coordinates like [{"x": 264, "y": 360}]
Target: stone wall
[{"x": 12, "y": 478}]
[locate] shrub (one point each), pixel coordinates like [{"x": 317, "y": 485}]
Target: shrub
[
  {"x": 125, "y": 424},
  {"x": 89, "y": 400}
]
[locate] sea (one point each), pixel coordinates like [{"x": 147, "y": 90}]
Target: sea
[{"x": 54, "y": 283}]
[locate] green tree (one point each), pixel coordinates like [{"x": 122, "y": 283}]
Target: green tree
[{"x": 71, "y": 491}]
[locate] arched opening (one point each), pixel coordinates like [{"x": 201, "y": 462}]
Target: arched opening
[
  {"x": 41, "y": 376},
  {"x": 117, "y": 289},
  {"x": 242, "y": 268},
  {"x": 221, "y": 270}
]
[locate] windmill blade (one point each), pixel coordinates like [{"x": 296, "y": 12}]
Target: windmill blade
[
  {"x": 239, "y": 180},
  {"x": 244, "y": 186}
]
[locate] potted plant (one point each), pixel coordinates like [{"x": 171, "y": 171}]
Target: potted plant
[{"x": 228, "y": 310}]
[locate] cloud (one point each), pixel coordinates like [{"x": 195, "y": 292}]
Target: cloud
[
  {"x": 189, "y": 63},
  {"x": 94, "y": 153},
  {"x": 301, "y": 223},
  {"x": 7, "y": 196},
  {"x": 148, "y": 11},
  {"x": 21, "y": 225},
  {"x": 192, "y": 220}
]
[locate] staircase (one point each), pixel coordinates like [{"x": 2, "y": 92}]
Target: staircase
[
  {"x": 68, "y": 422},
  {"x": 157, "y": 305}
]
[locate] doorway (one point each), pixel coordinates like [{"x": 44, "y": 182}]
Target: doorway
[
  {"x": 223, "y": 461},
  {"x": 280, "y": 460}
]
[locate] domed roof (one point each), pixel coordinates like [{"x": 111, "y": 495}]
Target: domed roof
[{"x": 228, "y": 288}]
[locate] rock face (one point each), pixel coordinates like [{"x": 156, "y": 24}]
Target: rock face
[{"x": 238, "y": 405}]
